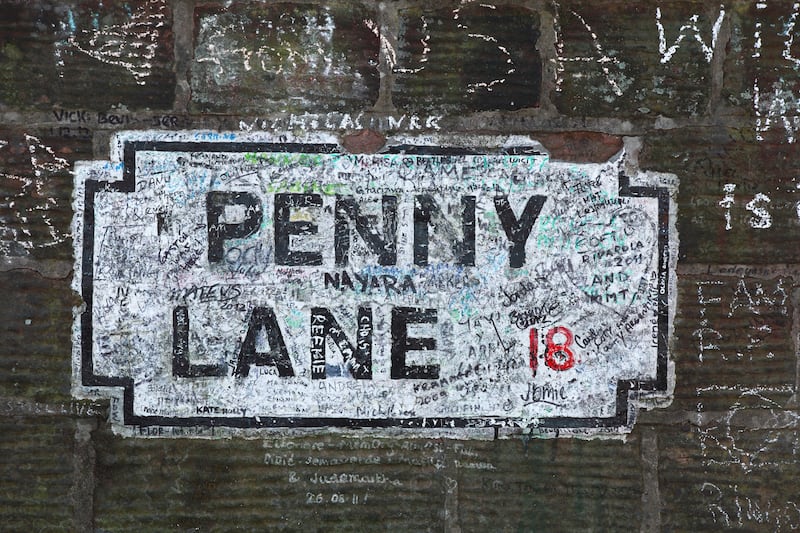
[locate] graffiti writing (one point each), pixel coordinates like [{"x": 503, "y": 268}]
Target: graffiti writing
[{"x": 424, "y": 300}]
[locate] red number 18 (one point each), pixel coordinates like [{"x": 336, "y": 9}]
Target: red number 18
[{"x": 557, "y": 355}]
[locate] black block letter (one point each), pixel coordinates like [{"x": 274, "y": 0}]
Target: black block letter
[
  {"x": 358, "y": 360},
  {"x": 402, "y": 343},
  {"x": 518, "y": 231},
  {"x": 384, "y": 247},
  {"x": 180, "y": 350},
  {"x": 427, "y": 212},
  {"x": 216, "y": 201},
  {"x": 284, "y": 229},
  {"x": 278, "y": 355}
]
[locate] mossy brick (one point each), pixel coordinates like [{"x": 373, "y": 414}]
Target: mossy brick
[
  {"x": 761, "y": 69},
  {"x": 763, "y": 178},
  {"x": 35, "y": 327},
  {"x": 86, "y": 53},
  {"x": 36, "y": 192},
  {"x": 293, "y": 57},
  {"x": 610, "y": 59},
  {"x": 726, "y": 477},
  {"x": 733, "y": 336},
  {"x": 467, "y": 58},
  {"x": 36, "y": 474}
]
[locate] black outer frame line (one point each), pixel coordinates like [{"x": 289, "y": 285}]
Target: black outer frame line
[{"x": 626, "y": 389}]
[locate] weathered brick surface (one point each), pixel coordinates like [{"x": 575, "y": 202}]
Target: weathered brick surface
[
  {"x": 363, "y": 484},
  {"x": 36, "y": 191},
  {"x": 708, "y": 90},
  {"x": 92, "y": 54},
  {"x": 729, "y": 478},
  {"x": 732, "y": 335},
  {"x": 283, "y": 484},
  {"x": 535, "y": 485},
  {"x": 761, "y": 73},
  {"x": 467, "y": 58},
  {"x": 609, "y": 61},
  {"x": 35, "y": 327},
  {"x": 580, "y": 146},
  {"x": 762, "y": 177},
  {"x": 36, "y": 474},
  {"x": 256, "y": 57}
]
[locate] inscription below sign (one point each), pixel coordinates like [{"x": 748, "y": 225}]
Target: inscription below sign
[{"x": 249, "y": 284}]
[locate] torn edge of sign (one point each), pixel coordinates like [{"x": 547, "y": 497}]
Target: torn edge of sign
[{"x": 112, "y": 171}]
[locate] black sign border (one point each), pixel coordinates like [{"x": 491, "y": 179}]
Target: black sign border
[{"x": 627, "y": 390}]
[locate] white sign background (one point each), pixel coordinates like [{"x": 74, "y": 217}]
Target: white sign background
[{"x": 564, "y": 340}]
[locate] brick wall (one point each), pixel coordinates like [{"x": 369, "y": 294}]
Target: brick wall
[{"x": 707, "y": 90}]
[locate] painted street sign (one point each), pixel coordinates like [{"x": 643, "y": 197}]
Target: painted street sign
[{"x": 240, "y": 282}]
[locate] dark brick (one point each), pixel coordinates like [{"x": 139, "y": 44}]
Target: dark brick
[
  {"x": 35, "y": 327},
  {"x": 253, "y": 57},
  {"x": 705, "y": 160},
  {"x": 36, "y": 472},
  {"x": 85, "y": 53},
  {"x": 269, "y": 485},
  {"x": 467, "y": 58},
  {"x": 761, "y": 69},
  {"x": 410, "y": 485},
  {"x": 609, "y": 62},
  {"x": 550, "y": 485},
  {"x": 36, "y": 192},
  {"x": 732, "y": 335},
  {"x": 724, "y": 477}
]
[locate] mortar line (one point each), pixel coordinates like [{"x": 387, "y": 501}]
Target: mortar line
[
  {"x": 718, "y": 65},
  {"x": 793, "y": 400},
  {"x": 651, "y": 495},
  {"x": 183, "y": 31},
  {"x": 388, "y": 27},
  {"x": 83, "y": 476}
]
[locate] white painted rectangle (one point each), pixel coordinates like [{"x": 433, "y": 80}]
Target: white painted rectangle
[{"x": 215, "y": 295}]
